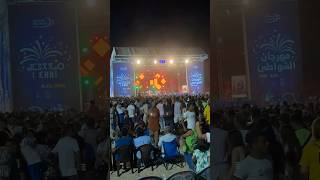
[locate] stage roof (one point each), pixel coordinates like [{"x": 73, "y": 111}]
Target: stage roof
[{"x": 125, "y": 54}]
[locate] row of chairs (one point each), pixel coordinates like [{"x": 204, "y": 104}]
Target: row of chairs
[{"x": 148, "y": 157}]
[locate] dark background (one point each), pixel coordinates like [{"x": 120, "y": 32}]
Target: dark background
[{"x": 160, "y": 23}]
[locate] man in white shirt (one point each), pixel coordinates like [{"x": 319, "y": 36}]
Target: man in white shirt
[
  {"x": 177, "y": 110},
  {"x": 190, "y": 116},
  {"x": 67, "y": 149},
  {"x": 161, "y": 110},
  {"x": 131, "y": 112},
  {"x": 255, "y": 166}
]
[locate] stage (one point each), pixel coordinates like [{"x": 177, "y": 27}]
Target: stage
[{"x": 156, "y": 71}]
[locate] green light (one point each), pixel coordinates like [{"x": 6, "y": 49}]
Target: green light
[
  {"x": 84, "y": 50},
  {"x": 87, "y": 82}
]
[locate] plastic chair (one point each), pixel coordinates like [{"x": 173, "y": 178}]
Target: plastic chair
[
  {"x": 171, "y": 154},
  {"x": 126, "y": 155},
  {"x": 204, "y": 174},
  {"x": 147, "y": 155},
  {"x": 151, "y": 178},
  {"x": 184, "y": 175}
]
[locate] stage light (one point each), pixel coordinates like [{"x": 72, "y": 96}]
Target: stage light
[
  {"x": 155, "y": 62},
  {"x": 186, "y": 61},
  {"x": 138, "y": 61},
  {"x": 171, "y": 61}
]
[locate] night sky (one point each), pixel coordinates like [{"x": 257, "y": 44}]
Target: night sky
[{"x": 160, "y": 23}]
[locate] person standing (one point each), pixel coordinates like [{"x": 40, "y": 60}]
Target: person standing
[
  {"x": 131, "y": 112},
  {"x": 67, "y": 150},
  {"x": 256, "y": 165},
  {"x": 153, "y": 123},
  {"x": 310, "y": 160},
  {"x": 177, "y": 110},
  {"x": 161, "y": 111},
  {"x": 168, "y": 113}
]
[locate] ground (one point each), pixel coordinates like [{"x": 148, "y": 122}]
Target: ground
[{"x": 159, "y": 171}]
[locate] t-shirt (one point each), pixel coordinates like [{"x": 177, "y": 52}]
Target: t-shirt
[
  {"x": 30, "y": 154},
  {"x": 66, "y": 149},
  {"x": 254, "y": 169},
  {"x": 161, "y": 110},
  {"x": 142, "y": 140},
  {"x": 206, "y": 113},
  {"x": 203, "y": 159},
  {"x": 302, "y": 135},
  {"x": 131, "y": 110},
  {"x": 123, "y": 141},
  {"x": 191, "y": 119},
  {"x": 310, "y": 158},
  {"x": 177, "y": 109}
]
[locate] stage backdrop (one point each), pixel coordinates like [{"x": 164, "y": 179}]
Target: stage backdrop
[
  {"x": 273, "y": 50},
  {"x": 45, "y": 66},
  {"x": 195, "y": 77},
  {"x": 123, "y": 77}
]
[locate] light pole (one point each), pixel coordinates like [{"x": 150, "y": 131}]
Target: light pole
[{"x": 245, "y": 43}]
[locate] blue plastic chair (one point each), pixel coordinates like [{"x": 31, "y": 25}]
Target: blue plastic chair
[{"x": 171, "y": 154}]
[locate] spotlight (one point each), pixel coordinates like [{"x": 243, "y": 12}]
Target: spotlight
[
  {"x": 171, "y": 61},
  {"x": 138, "y": 61},
  {"x": 186, "y": 61},
  {"x": 155, "y": 62}
]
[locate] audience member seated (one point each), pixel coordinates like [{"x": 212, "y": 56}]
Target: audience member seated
[{"x": 167, "y": 137}]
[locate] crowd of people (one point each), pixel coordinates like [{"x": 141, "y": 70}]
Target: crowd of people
[
  {"x": 53, "y": 145},
  {"x": 275, "y": 142},
  {"x": 137, "y": 121}
]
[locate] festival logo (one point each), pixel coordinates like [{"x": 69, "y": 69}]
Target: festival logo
[
  {"x": 45, "y": 22},
  {"x": 45, "y": 59},
  {"x": 275, "y": 54}
]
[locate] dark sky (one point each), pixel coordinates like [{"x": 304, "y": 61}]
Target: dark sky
[{"x": 160, "y": 23}]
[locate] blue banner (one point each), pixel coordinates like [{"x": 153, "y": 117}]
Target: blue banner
[
  {"x": 5, "y": 86},
  {"x": 273, "y": 51},
  {"x": 195, "y": 77},
  {"x": 123, "y": 77},
  {"x": 45, "y": 67}
]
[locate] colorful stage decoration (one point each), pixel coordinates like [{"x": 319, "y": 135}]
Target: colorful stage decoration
[
  {"x": 123, "y": 78},
  {"x": 273, "y": 51},
  {"x": 195, "y": 77},
  {"x": 5, "y": 86},
  {"x": 95, "y": 51},
  {"x": 154, "y": 82},
  {"x": 45, "y": 67}
]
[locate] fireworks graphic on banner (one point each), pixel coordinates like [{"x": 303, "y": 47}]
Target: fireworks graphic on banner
[
  {"x": 275, "y": 53},
  {"x": 44, "y": 50}
]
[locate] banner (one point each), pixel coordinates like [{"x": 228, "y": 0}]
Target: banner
[
  {"x": 45, "y": 66},
  {"x": 5, "y": 86},
  {"x": 273, "y": 51},
  {"x": 123, "y": 77},
  {"x": 239, "y": 87},
  {"x": 195, "y": 77}
]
